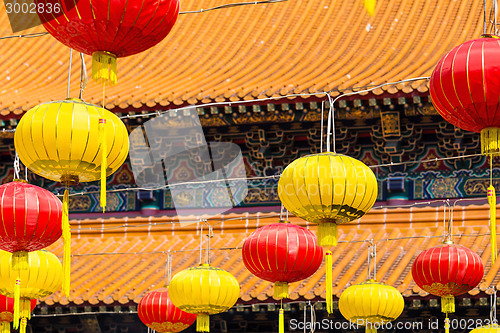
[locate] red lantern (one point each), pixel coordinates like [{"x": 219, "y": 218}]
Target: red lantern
[
  {"x": 157, "y": 312},
  {"x": 447, "y": 270},
  {"x": 7, "y": 313},
  {"x": 282, "y": 253},
  {"x": 465, "y": 89},
  {"x": 110, "y": 29},
  {"x": 30, "y": 218}
]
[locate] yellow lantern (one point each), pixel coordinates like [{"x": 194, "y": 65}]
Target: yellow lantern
[
  {"x": 71, "y": 141},
  {"x": 371, "y": 304},
  {"x": 327, "y": 189},
  {"x": 204, "y": 290},
  {"x": 42, "y": 277},
  {"x": 494, "y": 328}
]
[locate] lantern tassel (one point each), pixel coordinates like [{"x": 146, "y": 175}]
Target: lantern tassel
[
  {"x": 281, "y": 290},
  {"x": 104, "y": 162},
  {"x": 370, "y": 6},
  {"x": 20, "y": 260},
  {"x": 370, "y": 330},
  {"x": 329, "y": 281},
  {"x": 327, "y": 234},
  {"x": 25, "y": 308},
  {"x": 4, "y": 327},
  {"x": 448, "y": 304},
  {"x": 24, "y": 323},
  {"x": 104, "y": 68},
  {"x": 17, "y": 301},
  {"x": 281, "y": 322},
  {"x": 203, "y": 323},
  {"x": 492, "y": 201},
  {"x": 490, "y": 140},
  {"x": 66, "y": 233}
]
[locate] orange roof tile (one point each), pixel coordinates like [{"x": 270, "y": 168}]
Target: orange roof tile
[
  {"x": 118, "y": 260},
  {"x": 252, "y": 52}
]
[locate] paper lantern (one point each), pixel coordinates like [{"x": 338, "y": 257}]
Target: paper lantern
[
  {"x": 465, "y": 89},
  {"x": 371, "y": 304},
  {"x": 110, "y": 29},
  {"x": 494, "y": 328},
  {"x": 327, "y": 189},
  {"x": 30, "y": 218},
  {"x": 7, "y": 313},
  {"x": 282, "y": 253},
  {"x": 204, "y": 290},
  {"x": 447, "y": 270},
  {"x": 42, "y": 278},
  {"x": 157, "y": 312},
  {"x": 61, "y": 141}
]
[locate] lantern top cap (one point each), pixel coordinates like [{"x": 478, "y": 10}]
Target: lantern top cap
[
  {"x": 20, "y": 181},
  {"x": 448, "y": 241},
  {"x": 489, "y": 36}
]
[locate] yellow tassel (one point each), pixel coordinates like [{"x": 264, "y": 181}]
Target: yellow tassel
[
  {"x": 281, "y": 290},
  {"x": 4, "y": 327},
  {"x": 490, "y": 140},
  {"x": 448, "y": 304},
  {"x": 203, "y": 323},
  {"x": 24, "y": 323},
  {"x": 66, "y": 233},
  {"x": 370, "y": 330},
  {"x": 370, "y": 6},
  {"x": 25, "y": 308},
  {"x": 492, "y": 201},
  {"x": 447, "y": 324},
  {"x": 329, "y": 281},
  {"x": 104, "y": 162},
  {"x": 281, "y": 322},
  {"x": 327, "y": 234},
  {"x": 20, "y": 261},
  {"x": 104, "y": 68},
  {"x": 17, "y": 301}
]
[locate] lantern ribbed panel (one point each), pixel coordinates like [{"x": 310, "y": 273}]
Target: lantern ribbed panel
[
  {"x": 42, "y": 278},
  {"x": 204, "y": 290},
  {"x": 371, "y": 302},
  {"x": 157, "y": 311},
  {"x": 487, "y": 329},
  {"x": 327, "y": 187},
  {"x": 282, "y": 252},
  {"x": 30, "y": 217},
  {"x": 60, "y": 141},
  {"x": 447, "y": 270},
  {"x": 122, "y": 27},
  {"x": 465, "y": 85}
]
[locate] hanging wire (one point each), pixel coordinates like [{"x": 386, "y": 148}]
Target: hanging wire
[
  {"x": 16, "y": 166},
  {"x": 484, "y": 17},
  {"x": 322, "y": 124},
  {"x": 83, "y": 76},
  {"x": 313, "y": 317},
  {"x": 331, "y": 124},
  {"x": 210, "y": 235},
  {"x": 201, "y": 244},
  {"x": 69, "y": 70},
  {"x": 372, "y": 254},
  {"x": 493, "y": 307},
  {"x": 168, "y": 269}
]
